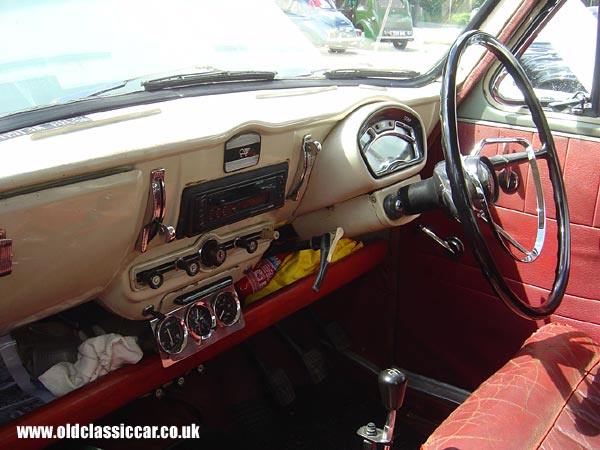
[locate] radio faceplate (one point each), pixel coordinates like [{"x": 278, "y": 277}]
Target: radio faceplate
[{"x": 210, "y": 205}]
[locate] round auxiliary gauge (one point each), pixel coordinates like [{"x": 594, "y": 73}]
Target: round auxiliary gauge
[
  {"x": 227, "y": 308},
  {"x": 171, "y": 334},
  {"x": 200, "y": 321}
]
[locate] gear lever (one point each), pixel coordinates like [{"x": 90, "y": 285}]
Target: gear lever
[{"x": 392, "y": 387}]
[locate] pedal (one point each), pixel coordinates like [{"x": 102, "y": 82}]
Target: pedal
[
  {"x": 315, "y": 363},
  {"x": 313, "y": 359},
  {"x": 281, "y": 386},
  {"x": 337, "y": 336},
  {"x": 278, "y": 382}
]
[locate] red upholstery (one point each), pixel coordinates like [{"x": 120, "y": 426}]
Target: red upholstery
[{"x": 546, "y": 397}]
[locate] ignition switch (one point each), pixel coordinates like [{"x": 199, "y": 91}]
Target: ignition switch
[{"x": 213, "y": 254}]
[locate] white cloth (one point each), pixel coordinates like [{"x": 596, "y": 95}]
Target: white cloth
[{"x": 97, "y": 356}]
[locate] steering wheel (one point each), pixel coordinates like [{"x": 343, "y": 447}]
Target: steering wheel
[{"x": 474, "y": 185}]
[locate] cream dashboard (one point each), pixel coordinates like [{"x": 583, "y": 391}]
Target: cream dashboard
[{"x": 151, "y": 207}]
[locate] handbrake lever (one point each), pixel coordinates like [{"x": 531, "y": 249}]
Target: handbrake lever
[{"x": 327, "y": 244}]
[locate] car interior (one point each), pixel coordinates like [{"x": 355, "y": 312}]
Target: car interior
[{"x": 357, "y": 260}]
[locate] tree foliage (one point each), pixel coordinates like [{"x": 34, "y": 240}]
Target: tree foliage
[
  {"x": 432, "y": 10},
  {"x": 438, "y": 10}
]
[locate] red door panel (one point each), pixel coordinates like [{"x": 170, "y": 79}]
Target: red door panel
[
  {"x": 581, "y": 168},
  {"x": 455, "y": 307}
]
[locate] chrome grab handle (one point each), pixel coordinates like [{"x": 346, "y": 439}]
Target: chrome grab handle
[
  {"x": 310, "y": 149},
  {"x": 6, "y": 255},
  {"x": 158, "y": 198},
  {"x": 157, "y": 187}
]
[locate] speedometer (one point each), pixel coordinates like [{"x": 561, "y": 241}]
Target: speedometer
[{"x": 390, "y": 141}]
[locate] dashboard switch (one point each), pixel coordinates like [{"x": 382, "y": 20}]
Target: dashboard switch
[
  {"x": 250, "y": 245},
  {"x": 191, "y": 266},
  {"x": 213, "y": 254},
  {"x": 154, "y": 279}
]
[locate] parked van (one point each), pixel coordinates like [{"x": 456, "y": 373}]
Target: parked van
[{"x": 370, "y": 16}]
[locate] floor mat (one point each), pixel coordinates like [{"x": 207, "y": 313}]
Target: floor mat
[{"x": 323, "y": 417}]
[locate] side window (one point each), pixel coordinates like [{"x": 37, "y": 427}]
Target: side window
[{"x": 560, "y": 61}]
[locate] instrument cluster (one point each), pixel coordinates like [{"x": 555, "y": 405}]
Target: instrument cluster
[{"x": 203, "y": 317}]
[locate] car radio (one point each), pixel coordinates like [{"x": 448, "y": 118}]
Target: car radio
[{"x": 227, "y": 200}]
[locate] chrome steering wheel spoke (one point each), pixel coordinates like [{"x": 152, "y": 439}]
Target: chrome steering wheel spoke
[{"x": 503, "y": 237}]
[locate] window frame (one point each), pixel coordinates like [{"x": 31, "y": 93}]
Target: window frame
[
  {"x": 547, "y": 12},
  {"x": 595, "y": 94}
]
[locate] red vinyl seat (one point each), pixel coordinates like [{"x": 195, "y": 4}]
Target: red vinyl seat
[{"x": 546, "y": 397}]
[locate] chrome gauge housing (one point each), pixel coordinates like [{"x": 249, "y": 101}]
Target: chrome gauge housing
[
  {"x": 200, "y": 320},
  {"x": 227, "y": 309},
  {"x": 390, "y": 141},
  {"x": 201, "y": 317},
  {"x": 171, "y": 335}
]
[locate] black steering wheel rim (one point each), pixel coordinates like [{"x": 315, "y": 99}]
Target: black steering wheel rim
[{"x": 458, "y": 181}]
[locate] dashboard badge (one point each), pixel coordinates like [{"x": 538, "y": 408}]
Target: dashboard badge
[{"x": 242, "y": 151}]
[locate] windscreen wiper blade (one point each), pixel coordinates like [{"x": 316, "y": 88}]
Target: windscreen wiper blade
[
  {"x": 347, "y": 74},
  {"x": 96, "y": 91},
  {"x": 197, "y": 79}
]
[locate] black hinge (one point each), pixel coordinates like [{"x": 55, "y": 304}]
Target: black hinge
[{"x": 578, "y": 104}]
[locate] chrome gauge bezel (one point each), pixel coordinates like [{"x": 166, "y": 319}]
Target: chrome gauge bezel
[
  {"x": 189, "y": 323},
  {"x": 160, "y": 326},
  {"x": 235, "y": 299},
  {"x": 388, "y": 123}
]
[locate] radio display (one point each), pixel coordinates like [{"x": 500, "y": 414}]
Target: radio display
[
  {"x": 221, "y": 202},
  {"x": 217, "y": 208}
]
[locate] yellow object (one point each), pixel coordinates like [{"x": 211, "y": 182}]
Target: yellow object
[{"x": 300, "y": 264}]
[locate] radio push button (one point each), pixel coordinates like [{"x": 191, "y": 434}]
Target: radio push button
[{"x": 213, "y": 254}]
